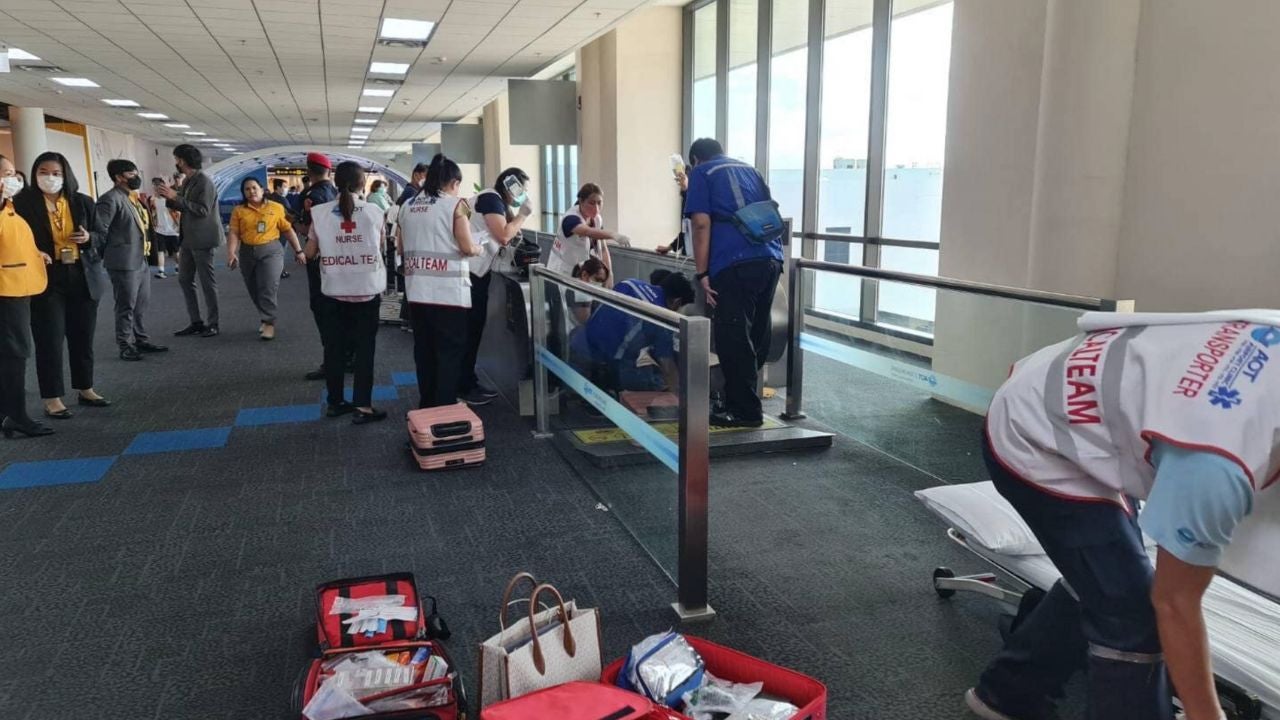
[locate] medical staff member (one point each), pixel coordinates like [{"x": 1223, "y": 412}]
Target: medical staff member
[
  {"x": 435, "y": 243},
  {"x": 22, "y": 275},
  {"x": 253, "y": 245},
  {"x": 738, "y": 276},
  {"x": 1179, "y": 411},
  {"x": 320, "y": 190},
  {"x": 582, "y": 234},
  {"x": 634, "y": 354},
  {"x": 498, "y": 215},
  {"x": 346, "y": 245}
]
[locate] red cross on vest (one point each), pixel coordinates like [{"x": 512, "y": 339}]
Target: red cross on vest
[{"x": 349, "y": 225}]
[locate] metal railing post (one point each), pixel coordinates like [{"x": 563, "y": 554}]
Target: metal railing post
[
  {"x": 795, "y": 356},
  {"x": 695, "y": 468},
  {"x": 538, "y": 312}
]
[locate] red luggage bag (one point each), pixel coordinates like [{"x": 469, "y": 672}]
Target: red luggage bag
[
  {"x": 446, "y": 437},
  {"x": 579, "y": 701},
  {"x": 800, "y": 690},
  {"x": 405, "y": 636}
]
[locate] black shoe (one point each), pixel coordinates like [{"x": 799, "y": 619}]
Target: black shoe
[
  {"x": 147, "y": 347},
  {"x": 362, "y": 417},
  {"x": 130, "y": 353},
  {"x": 315, "y": 374},
  {"x": 30, "y": 428},
  {"x": 339, "y": 409},
  {"x": 487, "y": 391},
  {"x": 476, "y": 397},
  {"x": 730, "y": 420},
  {"x": 192, "y": 329},
  {"x": 284, "y": 274},
  {"x": 210, "y": 331},
  {"x": 63, "y": 414},
  {"x": 94, "y": 402}
]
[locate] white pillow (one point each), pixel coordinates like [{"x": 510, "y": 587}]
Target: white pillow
[{"x": 979, "y": 513}]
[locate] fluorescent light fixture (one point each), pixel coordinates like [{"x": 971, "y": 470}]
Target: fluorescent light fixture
[
  {"x": 177, "y": 125},
  {"x": 153, "y": 116},
  {"x": 388, "y": 68},
  {"x": 371, "y": 109},
  {"x": 209, "y": 140},
  {"x": 16, "y": 54},
  {"x": 366, "y": 121},
  {"x": 121, "y": 103},
  {"x": 195, "y": 133},
  {"x": 75, "y": 82},
  {"x": 359, "y": 131},
  {"x": 401, "y": 29},
  {"x": 376, "y": 92}
]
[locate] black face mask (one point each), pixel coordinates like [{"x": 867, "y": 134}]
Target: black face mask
[
  {"x": 135, "y": 182},
  {"x": 178, "y": 168}
]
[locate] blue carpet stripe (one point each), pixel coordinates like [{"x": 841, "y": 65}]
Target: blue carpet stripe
[
  {"x": 178, "y": 440},
  {"x": 251, "y": 417},
  {"x": 55, "y": 472},
  {"x": 404, "y": 378}
]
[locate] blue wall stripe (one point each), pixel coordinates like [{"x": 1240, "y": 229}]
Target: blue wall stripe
[
  {"x": 658, "y": 445},
  {"x": 55, "y": 472},
  {"x": 178, "y": 440}
]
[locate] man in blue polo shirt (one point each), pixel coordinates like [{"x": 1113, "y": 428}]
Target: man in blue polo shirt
[
  {"x": 638, "y": 355},
  {"x": 738, "y": 276}
]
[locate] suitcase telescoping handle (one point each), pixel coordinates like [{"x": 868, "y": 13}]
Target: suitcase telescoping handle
[{"x": 570, "y": 647}]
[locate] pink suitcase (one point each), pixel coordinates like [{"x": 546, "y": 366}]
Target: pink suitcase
[{"x": 446, "y": 437}]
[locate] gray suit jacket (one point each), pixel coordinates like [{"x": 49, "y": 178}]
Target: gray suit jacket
[
  {"x": 201, "y": 225},
  {"x": 119, "y": 240}
]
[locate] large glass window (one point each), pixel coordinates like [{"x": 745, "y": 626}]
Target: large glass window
[
  {"x": 846, "y": 107},
  {"x": 743, "y": 21},
  {"x": 788, "y": 69},
  {"x": 704, "y": 71}
]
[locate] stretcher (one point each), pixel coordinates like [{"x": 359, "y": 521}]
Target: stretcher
[{"x": 1244, "y": 624}]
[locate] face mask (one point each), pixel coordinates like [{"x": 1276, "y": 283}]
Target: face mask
[
  {"x": 9, "y": 186},
  {"x": 597, "y": 283},
  {"x": 135, "y": 182},
  {"x": 178, "y": 168},
  {"x": 519, "y": 200},
  {"x": 51, "y": 184}
]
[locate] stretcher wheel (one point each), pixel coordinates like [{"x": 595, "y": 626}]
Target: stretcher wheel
[{"x": 943, "y": 572}]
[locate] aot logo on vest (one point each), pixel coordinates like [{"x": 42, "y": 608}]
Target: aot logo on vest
[{"x": 1247, "y": 363}]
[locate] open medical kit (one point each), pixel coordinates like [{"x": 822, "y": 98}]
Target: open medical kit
[
  {"x": 379, "y": 655},
  {"x": 446, "y": 437}
]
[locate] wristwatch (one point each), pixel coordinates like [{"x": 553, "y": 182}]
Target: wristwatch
[{"x": 700, "y": 276}]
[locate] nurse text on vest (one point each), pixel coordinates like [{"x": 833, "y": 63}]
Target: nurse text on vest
[
  {"x": 435, "y": 272},
  {"x": 351, "y": 262}
]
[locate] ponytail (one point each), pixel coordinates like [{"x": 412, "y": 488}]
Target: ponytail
[
  {"x": 349, "y": 177},
  {"x": 441, "y": 172}
]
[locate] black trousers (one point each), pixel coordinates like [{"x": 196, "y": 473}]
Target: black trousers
[
  {"x": 741, "y": 327},
  {"x": 351, "y": 325},
  {"x": 319, "y": 307},
  {"x": 439, "y": 348},
  {"x": 15, "y": 348},
  {"x": 65, "y": 312},
  {"x": 476, "y": 317}
]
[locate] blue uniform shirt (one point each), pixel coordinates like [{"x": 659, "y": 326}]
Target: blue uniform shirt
[
  {"x": 319, "y": 194},
  {"x": 610, "y": 329},
  {"x": 710, "y": 193},
  {"x": 490, "y": 204},
  {"x": 1196, "y": 502}
]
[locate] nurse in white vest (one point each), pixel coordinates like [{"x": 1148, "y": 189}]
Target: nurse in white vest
[
  {"x": 498, "y": 215},
  {"x": 347, "y": 237},
  {"x": 435, "y": 244},
  {"x": 582, "y": 234},
  {"x": 1179, "y": 412}
]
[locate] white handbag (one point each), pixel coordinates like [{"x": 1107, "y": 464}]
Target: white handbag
[
  {"x": 493, "y": 652},
  {"x": 562, "y": 652}
]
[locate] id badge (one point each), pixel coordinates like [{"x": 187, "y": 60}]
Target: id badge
[
  {"x": 262, "y": 226},
  {"x": 66, "y": 256}
]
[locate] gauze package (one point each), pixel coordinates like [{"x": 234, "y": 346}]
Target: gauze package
[
  {"x": 718, "y": 698},
  {"x": 663, "y": 668}
]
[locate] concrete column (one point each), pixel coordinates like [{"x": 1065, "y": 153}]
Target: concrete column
[{"x": 29, "y": 138}]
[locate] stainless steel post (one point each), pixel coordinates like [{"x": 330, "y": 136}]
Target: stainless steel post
[
  {"x": 795, "y": 356},
  {"x": 695, "y": 468},
  {"x": 538, "y": 316}
]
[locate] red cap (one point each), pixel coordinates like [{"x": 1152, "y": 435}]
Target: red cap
[{"x": 319, "y": 159}]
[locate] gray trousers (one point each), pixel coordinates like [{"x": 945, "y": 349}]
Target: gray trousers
[
  {"x": 132, "y": 290},
  {"x": 261, "y": 265},
  {"x": 190, "y": 262}
]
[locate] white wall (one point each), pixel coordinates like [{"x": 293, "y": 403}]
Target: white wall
[
  {"x": 106, "y": 145},
  {"x": 500, "y": 154}
]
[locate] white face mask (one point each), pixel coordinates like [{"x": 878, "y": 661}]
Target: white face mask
[
  {"x": 9, "y": 186},
  {"x": 51, "y": 184}
]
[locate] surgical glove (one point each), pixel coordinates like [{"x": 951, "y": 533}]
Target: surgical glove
[
  {"x": 526, "y": 209},
  {"x": 622, "y": 240}
]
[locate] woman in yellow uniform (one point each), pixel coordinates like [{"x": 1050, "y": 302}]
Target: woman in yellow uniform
[
  {"x": 253, "y": 244},
  {"x": 22, "y": 274}
]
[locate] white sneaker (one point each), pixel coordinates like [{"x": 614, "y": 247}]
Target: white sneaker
[{"x": 980, "y": 708}]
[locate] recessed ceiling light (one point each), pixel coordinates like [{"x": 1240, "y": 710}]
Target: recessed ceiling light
[
  {"x": 121, "y": 103},
  {"x": 371, "y": 109},
  {"x": 375, "y": 92},
  {"x": 195, "y": 132},
  {"x": 401, "y": 29},
  {"x": 75, "y": 82},
  {"x": 209, "y": 140},
  {"x": 16, "y": 54},
  {"x": 177, "y": 125},
  {"x": 388, "y": 68},
  {"x": 366, "y": 121},
  {"x": 153, "y": 116}
]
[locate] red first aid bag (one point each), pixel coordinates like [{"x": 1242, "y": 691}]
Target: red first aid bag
[
  {"x": 446, "y": 437},
  {"x": 579, "y": 701}
]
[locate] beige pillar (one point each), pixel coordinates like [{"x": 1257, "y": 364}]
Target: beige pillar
[{"x": 29, "y": 138}]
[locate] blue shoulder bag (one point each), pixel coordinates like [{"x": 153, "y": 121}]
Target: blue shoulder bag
[{"x": 759, "y": 222}]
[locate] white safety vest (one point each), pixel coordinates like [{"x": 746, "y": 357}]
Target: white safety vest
[
  {"x": 351, "y": 262},
  {"x": 571, "y": 250},
  {"x": 435, "y": 272},
  {"x": 480, "y": 235},
  {"x": 1078, "y": 418}
]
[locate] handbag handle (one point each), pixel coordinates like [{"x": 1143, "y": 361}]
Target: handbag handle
[
  {"x": 570, "y": 647},
  {"x": 506, "y": 595}
]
